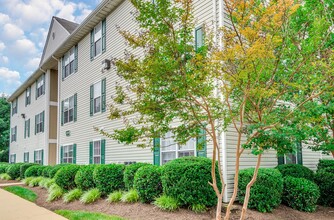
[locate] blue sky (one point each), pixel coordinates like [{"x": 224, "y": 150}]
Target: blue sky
[{"x": 24, "y": 27}]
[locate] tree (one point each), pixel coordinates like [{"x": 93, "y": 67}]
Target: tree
[
  {"x": 4, "y": 129},
  {"x": 257, "y": 81}
]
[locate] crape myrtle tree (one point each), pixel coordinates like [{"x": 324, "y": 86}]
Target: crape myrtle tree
[
  {"x": 255, "y": 82},
  {"x": 4, "y": 129}
]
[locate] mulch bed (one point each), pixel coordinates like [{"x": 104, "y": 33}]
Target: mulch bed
[{"x": 150, "y": 212}]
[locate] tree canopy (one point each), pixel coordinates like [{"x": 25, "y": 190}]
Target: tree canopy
[{"x": 4, "y": 129}]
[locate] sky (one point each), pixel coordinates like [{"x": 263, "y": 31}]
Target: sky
[{"x": 24, "y": 26}]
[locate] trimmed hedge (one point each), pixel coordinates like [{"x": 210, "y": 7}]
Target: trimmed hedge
[
  {"x": 64, "y": 177},
  {"x": 3, "y": 167},
  {"x": 147, "y": 182},
  {"x": 186, "y": 179},
  {"x": 23, "y": 169},
  {"x": 14, "y": 170},
  {"x": 84, "y": 177},
  {"x": 325, "y": 163},
  {"x": 129, "y": 173},
  {"x": 325, "y": 180},
  {"x": 54, "y": 170},
  {"x": 109, "y": 178},
  {"x": 32, "y": 171},
  {"x": 40, "y": 170},
  {"x": 46, "y": 171},
  {"x": 266, "y": 193},
  {"x": 300, "y": 194},
  {"x": 296, "y": 170}
]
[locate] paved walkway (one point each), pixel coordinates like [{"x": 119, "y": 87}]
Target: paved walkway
[{"x": 13, "y": 207}]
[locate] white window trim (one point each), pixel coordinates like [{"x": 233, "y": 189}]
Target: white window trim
[
  {"x": 14, "y": 106},
  {"x": 68, "y": 98},
  {"x": 13, "y": 133},
  {"x": 24, "y": 156},
  {"x": 93, "y": 155},
  {"x": 28, "y": 97},
  {"x": 95, "y": 40},
  {"x": 99, "y": 112},
  {"x": 41, "y": 78},
  {"x": 69, "y": 54},
  {"x": 295, "y": 155},
  {"x": 12, "y": 156},
  {"x": 38, "y": 129},
  {"x": 68, "y": 145},
  {"x": 35, "y": 153}
]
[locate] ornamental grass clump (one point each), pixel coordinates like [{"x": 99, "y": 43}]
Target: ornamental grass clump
[
  {"x": 90, "y": 196},
  {"x": 166, "y": 203},
  {"x": 130, "y": 197},
  {"x": 72, "y": 195},
  {"x": 55, "y": 192},
  {"x": 35, "y": 181},
  {"x": 115, "y": 197}
]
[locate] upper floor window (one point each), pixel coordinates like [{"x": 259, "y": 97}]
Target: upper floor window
[
  {"x": 199, "y": 38},
  {"x": 40, "y": 86},
  {"x": 39, "y": 122},
  {"x": 14, "y": 106},
  {"x": 69, "y": 109},
  {"x": 98, "y": 97},
  {"x": 97, "y": 152},
  {"x": 38, "y": 156},
  {"x": 28, "y": 96},
  {"x": 27, "y": 128},
  {"x": 70, "y": 62},
  {"x": 98, "y": 39},
  {"x": 14, "y": 134}
]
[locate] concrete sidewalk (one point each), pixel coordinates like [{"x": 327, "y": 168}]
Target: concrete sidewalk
[{"x": 13, "y": 207}]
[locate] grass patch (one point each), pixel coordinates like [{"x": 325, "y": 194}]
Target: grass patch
[
  {"x": 72, "y": 195},
  {"x": 115, "y": 197},
  {"x": 131, "y": 196},
  {"x": 81, "y": 215},
  {"x": 22, "y": 192},
  {"x": 166, "y": 203},
  {"x": 90, "y": 196}
]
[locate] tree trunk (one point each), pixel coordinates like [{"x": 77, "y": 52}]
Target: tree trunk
[
  {"x": 332, "y": 153},
  {"x": 219, "y": 207},
  {"x": 249, "y": 185}
]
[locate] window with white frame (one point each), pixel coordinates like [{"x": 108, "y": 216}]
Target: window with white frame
[
  {"x": 12, "y": 158},
  {"x": 68, "y": 109},
  {"x": 98, "y": 39},
  {"x": 14, "y": 134},
  {"x": 26, "y": 157},
  {"x": 69, "y": 60},
  {"x": 290, "y": 159},
  {"x": 28, "y": 96},
  {"x": 14, "y": 107},
  {"x": 68, "y": 154},
  {"x": 97, "y": 152},
  {"x": 97, "y": 97},
  {"x": 39, "y": 122},
  {"x": 171, "y": 150},
  {"x": 40, "y": 86},
  {"x": 27, "y": 128},
  {"x": 39, "y": 156}
]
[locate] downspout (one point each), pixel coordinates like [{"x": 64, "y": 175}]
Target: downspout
[{"x": 58, "y": 111}]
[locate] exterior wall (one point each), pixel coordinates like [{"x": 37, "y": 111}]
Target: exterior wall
[
  {"x": 52, "y": 159},
  {"x": 54, "y": 86}
]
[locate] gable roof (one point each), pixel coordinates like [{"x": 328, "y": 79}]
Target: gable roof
[{"x": 68, "y": 25}]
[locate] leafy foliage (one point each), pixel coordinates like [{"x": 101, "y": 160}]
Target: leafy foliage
[
  {"x": 5, "y": 176},
  {"x": 23, "y": 169},
  {"x": 64, "y": 177},
  {"x": 296, "y": 170},
  {"x": 84, "y": 177},
  {"x": 54, "y": 170},
  {"x": 35, "y": 181},
  {"x": 198, "y": 208},
  {"x": 147, "y": 182},
  {"x": 129, "y": 174},
  {"x": 90, "y": 196},
  {"x": 27, "y": 180},
  {"x": 166, "y": 203},
  {"x": 32, "y": 171},
  {"x": 266, "y": 193},
  {"x": 109, "y": 178},
  {"x": 4, "y": 129},
  {"x": 325, "y": 180},
  {"x": 130, "y": 197},
  {"x": 55, "y": 192},
  {"x": 115, "y": 196},
  {"x": 325, "y": 163},
  {"x": 300, "y": 194},
  {"x": 14, "y": 170},
  {"x": 72, "y": 195},
  {"x": 3, "y": 167},
  {"x": 46, "y": 171}
]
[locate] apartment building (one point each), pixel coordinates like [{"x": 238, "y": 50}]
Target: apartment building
[{"x": 55, "y": 111}]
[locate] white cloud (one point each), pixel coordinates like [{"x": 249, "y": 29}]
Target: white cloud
[
  {"x": 23, "y": 47},
  {"x": 67, "y": 12},
  {"x": 11, "y": 77},
  {"x": 4, "y": 59},
  {"x": 33, "y": 63},
  {"x": 12, "y": 31},
  {"x": 2, "y": 46},
  {"x": 4, "y": 18}
]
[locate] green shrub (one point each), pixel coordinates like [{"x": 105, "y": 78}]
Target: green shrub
[
  {"x": 54, "y": 170},
  {"x": 90, "y": 196},
  {"x": 3, "y": 167},
  {"x": 325, "y": 180},
  {"x": 27, "y": 180},
  {"x": 46, "y": 171},
  {"x": 300, "y": 194},
  {"x": 40, "y": 170},
  {"x": 115, "y": 196},
  {"x": 166, "y": 203},
  {"x": 130, "y": 197},
  {"x": 5, "y": 176},
  {"x": 23, "y": 169},
  {"x": 65, "y": 177},
  {"x": 325, "y": 163},
  {"x": 14, "y": 170},
  {"x": 109, "y": 178},
  {"x": 266, "y": 193},
  {"x": 187, "y": 180},
  {"x": 49, "y": 183},
  {"x": 55, "y": 192},
  {"x": 198, "y": 208},
  {"x": 296, "y": 170},
  {"x": 35, "y": 181},
  {"x": 84, "y": 177},
  {"x": 129, "y": 174},
  {"x": 32, "y": 171},
  {"x": 147, "y": 182},
  {"x": 72, "y": 195}
]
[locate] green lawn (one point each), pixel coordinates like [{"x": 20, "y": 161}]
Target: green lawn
[
  {"x": 81, "y": 215},
  {"x": 22, "y": 192}
]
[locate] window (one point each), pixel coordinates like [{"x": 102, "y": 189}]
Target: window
[
  {"x": 27, "y": 128},
  {"x": 68, "y": 154},
  {"x": 68, "y": 109},
  {"x": 14, "y": 134},
  {"x": 39, "y": 123},
  {"x": 171, "y": 150},
  {"x": 14, "y": 107},
  {"x": 26, "y": 157},
  {"x": 38, "y": 157},
  {"x": 97, "y": 152},
  {"x": 98, "y": 97},
  {"x": 292, "y": 158},
  {"x": 12, "y": 158},
  {"x": 40, "y": 86},
  {"x": 98, "y": 39},
  {"x": 199, "y": 38},
  {"x": 70, "y": 62},
  {"x": 28, "y": 96}
]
